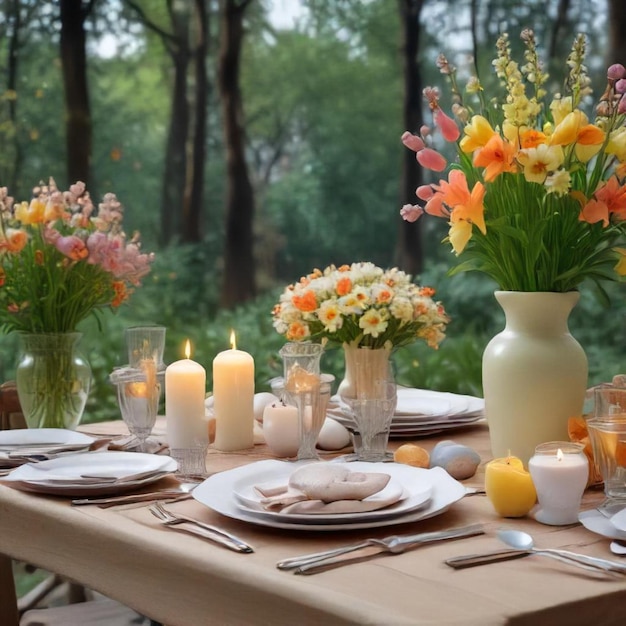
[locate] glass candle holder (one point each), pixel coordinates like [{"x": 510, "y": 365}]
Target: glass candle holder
[{"x": 559, "y": 470}]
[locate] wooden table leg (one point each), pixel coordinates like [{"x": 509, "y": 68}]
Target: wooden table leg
[{"x": 8, "y": 599}]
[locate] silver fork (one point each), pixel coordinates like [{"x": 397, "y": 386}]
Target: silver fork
[
  {"x": 208, "y": 531},
  {"x": 394, "y": 544}
]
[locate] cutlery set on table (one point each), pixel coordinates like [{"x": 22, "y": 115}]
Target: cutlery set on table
[{"x": 306, "y": 496}]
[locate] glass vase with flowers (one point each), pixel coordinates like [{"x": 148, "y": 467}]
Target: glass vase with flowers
[{"x": 60, "y": 262}]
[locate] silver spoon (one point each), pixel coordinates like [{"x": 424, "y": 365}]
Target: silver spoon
[
  {"x": 618, "y": 547},
  {"x": 520, "y": 540}
]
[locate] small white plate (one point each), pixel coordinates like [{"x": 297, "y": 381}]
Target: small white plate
[
  {"x": 594, "y": 521},
  {"x": 113, "y": 464},
  {"x": 216, "y": 492}
]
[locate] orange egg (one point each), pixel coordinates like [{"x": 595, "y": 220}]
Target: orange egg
[{"x": 412, "y": 454}]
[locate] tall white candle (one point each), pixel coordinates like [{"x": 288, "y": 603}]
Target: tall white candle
[
  {"x": 233, "y": 393},
  {"x": 559, "y": 471},
  {"x": 185, "y": 390}
]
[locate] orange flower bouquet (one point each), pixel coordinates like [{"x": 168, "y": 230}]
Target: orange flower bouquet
[
  {"x": 537, "y": 199},
  {"x": 360, "y": 305}
]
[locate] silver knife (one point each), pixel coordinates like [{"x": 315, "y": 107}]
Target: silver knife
[
  {"x": 371, "y": 547},
  {"x": 107, "y": 501},
  {"x": 472, "y": 560}
]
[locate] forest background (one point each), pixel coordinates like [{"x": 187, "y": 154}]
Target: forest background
[{"x": 251, "y": 141}]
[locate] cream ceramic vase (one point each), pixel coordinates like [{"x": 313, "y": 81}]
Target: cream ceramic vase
[
  {"x": 534, "y": 373},
  {"x": 364, "y": 367}
]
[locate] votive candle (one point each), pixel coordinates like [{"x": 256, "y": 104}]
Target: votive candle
[{"x": 560, "y": 470}]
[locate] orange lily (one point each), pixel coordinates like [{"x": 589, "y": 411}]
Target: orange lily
[{"x": 497, "y": 157}]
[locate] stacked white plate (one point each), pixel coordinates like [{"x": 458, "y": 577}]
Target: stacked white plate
[
  {"x": 425, "y": 493},
  {"x": 19, "y": 444},
  {"x": 421, "y": 412},
  {"x": 90, "y": 473}
]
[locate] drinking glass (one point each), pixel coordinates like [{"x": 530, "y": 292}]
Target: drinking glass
[
  {"x": 138, "y": 393},
  {"x": 145, "y": 342},
  {"x": 607, "y": 433},
  {"x": 310, "y": 394},
  {"x": 370, "y": 418}
]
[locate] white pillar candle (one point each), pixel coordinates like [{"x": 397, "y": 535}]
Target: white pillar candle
[
  {"x": 559, "y": 470},
  {"x": 185, "y": 390},
  {"x": 233, "y": 396},
  {"x": 281, "y": 429}
]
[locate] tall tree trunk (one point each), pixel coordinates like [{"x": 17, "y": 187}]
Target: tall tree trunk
[
  {"x": 409, "y": 251},
  {"x": 183, "y": 176},
  {"x": 194, "y": 189},
  {"x": 175, "y": 174},
  {"x": 74, "y": 64},
  {"x": 617, "y": 32},
  {"x": 12, "y": 155},
  {"x": 558, "y": 26},
  {"x": 239, "y": 280}
]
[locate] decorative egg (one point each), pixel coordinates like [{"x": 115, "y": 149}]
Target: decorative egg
[
  {"x": 459, "y": 461},
  {"x": 333, "y": 436},
  {"x": 261, "y": 400}
]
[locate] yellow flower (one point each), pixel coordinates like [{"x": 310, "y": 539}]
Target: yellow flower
[
  {"x": 30, "y": 213},
  {"x": 560, "y": 108},
  {"x": 617, "y": 144},
  {"x": 575, "y": 129},
  {"x": 540, "y": 161},
  {"x": 620, "y": 268},
  {"x": 559, "y": 182},
  {"x": 477, "y": 133},
  {"x": 374, "y": 322},
  {"x": 330, "y": 315},
  {"x": 566, "y": 131}
]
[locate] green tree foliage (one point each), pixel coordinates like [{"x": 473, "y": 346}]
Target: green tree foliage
[{"x": 323, "y": 120}]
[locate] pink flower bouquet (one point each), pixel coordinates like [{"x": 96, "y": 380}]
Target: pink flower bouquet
[{"x": 60, "y": 261}]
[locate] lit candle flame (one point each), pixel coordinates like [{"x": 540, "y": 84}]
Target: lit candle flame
[
  {"x": 233, "y": 342},
  {"x": 559, "y": 455},
  {"x": 187, "y": 349}
]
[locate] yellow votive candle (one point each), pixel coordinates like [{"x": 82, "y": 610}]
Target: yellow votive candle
[{"x": 509, "y": 487}]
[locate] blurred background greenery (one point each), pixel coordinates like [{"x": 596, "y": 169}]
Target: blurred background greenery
[{"x": 320, "y": 113}]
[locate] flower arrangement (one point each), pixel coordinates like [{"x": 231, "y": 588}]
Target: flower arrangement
[
  {"x": 60, "y": 262},
  {"x": 537, "y": 199},
  {"x": 361, "y": 305}
]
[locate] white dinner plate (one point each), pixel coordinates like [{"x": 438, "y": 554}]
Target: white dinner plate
[
  {"x": 594, "y": 521},
  {"x": 49, "y": 476},
  {"x": 412, "y": 495},
  {"x": 216, "y": 492},
  {"x": 42, "y": 436}
]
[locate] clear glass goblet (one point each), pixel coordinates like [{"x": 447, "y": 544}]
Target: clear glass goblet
[
  {"x": 369, "y": 418},
  {"x": 138, "y": 393}
]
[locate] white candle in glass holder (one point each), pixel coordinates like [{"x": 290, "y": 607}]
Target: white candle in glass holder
[
  {"x": 185, "y": 390},
  {"x": 233, "y": 395},
  {"x": 559, "y": 470}
]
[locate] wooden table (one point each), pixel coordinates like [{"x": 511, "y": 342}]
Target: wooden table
[{"x": 181, "y": 580}]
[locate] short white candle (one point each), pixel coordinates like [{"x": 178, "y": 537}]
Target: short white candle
[
  {"x": 185, "y": 390},
  {"x": 559, "y": 471},
  {"x": 281, "y": 429},
  {"x": 233, "y": 396}
]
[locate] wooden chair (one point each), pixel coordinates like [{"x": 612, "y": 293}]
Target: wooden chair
[{"x": 81, "y": 607}]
